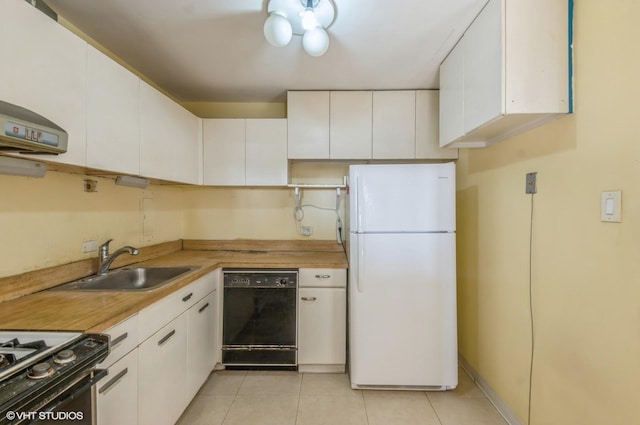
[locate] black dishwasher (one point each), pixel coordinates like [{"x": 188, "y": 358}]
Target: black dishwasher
[{"x": 259, "y": 318}]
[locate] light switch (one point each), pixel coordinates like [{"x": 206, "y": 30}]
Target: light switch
[{"x": 611, "y": 206}]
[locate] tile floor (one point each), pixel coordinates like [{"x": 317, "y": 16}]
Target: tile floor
[{"x": 290, "y": 398}]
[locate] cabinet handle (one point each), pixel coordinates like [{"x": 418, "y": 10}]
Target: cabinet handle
[
  {"x": 323, "y": 276},
  {"x": 203, "y": 308},
  {"x": 308, "y": 298},
  {"x": 187, "y": 298},
  {"x": 166, "y": 337},
  {"x": 112, "y": 383},
  {"x": 119, "y": 339}
]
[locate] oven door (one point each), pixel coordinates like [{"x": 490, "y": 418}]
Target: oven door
[{"x": 75, "y": 405}]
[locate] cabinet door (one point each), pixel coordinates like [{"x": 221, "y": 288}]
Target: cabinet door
[
  {"x": 350, "y": 124},
  {"x": 45, "y": 70},
  {"x": 113, "y": 116},
  {"x": 224, "y": 152},
  {"x": 394, "y": 124},
  {"x": 308, "y": 124},
  {"x": 162, "y": 379},
  {"x": 117, "y": 395},
  {"x": 201, "y": 343},
  {"x": 452, "y": 95},
  {"x": 266, "y": 152},
  {"x": 427, "y": 118},
  {"x": 170, "y": 138},
  {"x": 483, "y": 68},
  {"x": 322, "y": 326}
]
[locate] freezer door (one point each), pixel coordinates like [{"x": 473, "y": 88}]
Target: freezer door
[
  {"x": 402, "y": 198},
  {"x": 402, "y": 310}
]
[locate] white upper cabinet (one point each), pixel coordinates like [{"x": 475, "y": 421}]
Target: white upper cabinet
[
  {"x": 508, "y": 74},
  {"x": 170, "y": 139},
  {"x": 350, "y": 124},
  {"x": 365, "y": 125},
  {"x": 113, "y": 116},
  {"x": 451, "y": 115},
  {"x": 224, "y": 152},
  {"x": 394, "y": 124},
  {"x": 427, "y": 144},
  {"x": 483, "y": 89},
  {"x": 245, "y": 152},
  {"x": 266, "y": 152},
  {"x": 44, "y": 70},
  {"x": 308, "y": 124}
]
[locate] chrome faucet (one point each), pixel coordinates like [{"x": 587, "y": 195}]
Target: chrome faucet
[{"x": 105, "y": 260}]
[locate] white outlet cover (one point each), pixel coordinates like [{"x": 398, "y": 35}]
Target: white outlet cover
[{"x": 90, "y": 246}]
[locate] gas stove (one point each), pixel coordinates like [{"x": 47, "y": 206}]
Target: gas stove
[{"x": 40, "y": 370}]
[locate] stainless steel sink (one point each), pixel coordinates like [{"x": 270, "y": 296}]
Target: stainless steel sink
[{"x": 129, "y": 279}]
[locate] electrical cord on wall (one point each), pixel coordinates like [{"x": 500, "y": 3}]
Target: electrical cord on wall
[
  {"x": 298, "y": 215},
  {"x": 531, "y": 308}
]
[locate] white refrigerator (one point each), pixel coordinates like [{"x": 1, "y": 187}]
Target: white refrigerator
[{"x": 402, "y": 277}]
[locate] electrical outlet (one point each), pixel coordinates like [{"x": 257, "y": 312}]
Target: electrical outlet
[
  {"x": 531, "y": 183},
  {"x": 89, "y": 246},
  {"x": 306, "y": 230}
]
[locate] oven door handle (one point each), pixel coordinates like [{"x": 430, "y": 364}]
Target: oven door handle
[{"x": 95, "y": 376}]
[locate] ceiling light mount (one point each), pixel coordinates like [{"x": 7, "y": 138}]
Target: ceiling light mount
[{"x": 308, "y": 18}]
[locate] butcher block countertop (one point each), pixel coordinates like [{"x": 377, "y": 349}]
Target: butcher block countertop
[{"x": 29, "y": 303}]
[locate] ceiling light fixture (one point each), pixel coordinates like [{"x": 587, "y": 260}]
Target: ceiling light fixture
[{"x": 308, "y": 18}]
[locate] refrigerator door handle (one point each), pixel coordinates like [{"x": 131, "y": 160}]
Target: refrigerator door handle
[
  {"x": 355, "y": 205},
  {"x": 360, "y": 266}
]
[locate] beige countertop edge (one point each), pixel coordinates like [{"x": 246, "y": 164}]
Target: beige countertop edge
[{"x": 98, "y": 311}]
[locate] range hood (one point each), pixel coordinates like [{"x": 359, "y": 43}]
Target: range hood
[{"x": 22, "y": 130}]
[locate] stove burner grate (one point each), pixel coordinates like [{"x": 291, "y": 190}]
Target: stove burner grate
[
  {"x": 6, "y": 360},
  {"x": 15, "y": 343},
  {"x": 14, "y": 351}
]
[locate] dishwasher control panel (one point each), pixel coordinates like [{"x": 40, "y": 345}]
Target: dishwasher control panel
[{"x": 262, "y": 278}]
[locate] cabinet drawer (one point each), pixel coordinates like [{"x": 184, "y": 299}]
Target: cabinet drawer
[
  {"x": 162, "y": 312},
  {"x": 124, "y": 338},
  {"x": 322, "y": 278}
]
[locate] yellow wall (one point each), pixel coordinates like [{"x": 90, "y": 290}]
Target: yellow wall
[
  {"x": 585, "y": 273},
  {"x": 265, "y": 213},
  {"x": 43, "y": 222}
]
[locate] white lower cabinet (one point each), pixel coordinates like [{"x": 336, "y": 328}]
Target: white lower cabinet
[
  {"x": 117, "y": 395},
  {"x": 178, "y": 341},
  {"x": 322, "y": 316},
  {"x": 162, "y": 378},
  {"x": 201, "y": 342}
]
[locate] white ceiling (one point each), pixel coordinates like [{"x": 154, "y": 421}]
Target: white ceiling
[{"x": 215, "y": 51}]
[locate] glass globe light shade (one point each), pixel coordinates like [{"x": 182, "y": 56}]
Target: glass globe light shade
[
  {"x": 316, "y": 41},
  {"x": 277, "y": 30},
  {"x": 308, "y": 19}
]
